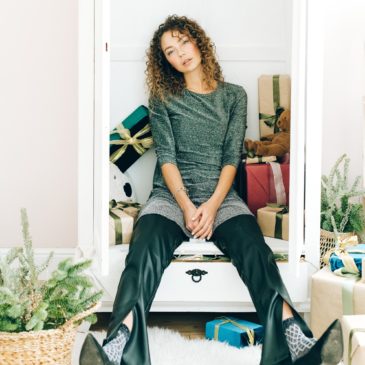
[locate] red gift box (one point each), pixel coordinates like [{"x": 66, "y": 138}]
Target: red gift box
[{"x": 261, "y": 187}]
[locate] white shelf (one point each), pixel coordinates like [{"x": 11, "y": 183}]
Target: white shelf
[{"x": 202, "y": 247}]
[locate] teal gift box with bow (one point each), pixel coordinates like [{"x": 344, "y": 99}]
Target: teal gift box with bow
[
  {"x": 349, "y": 260},
  {"x": 236, "y": 332}
]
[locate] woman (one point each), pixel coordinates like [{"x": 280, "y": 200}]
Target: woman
[{"x": 198, "y": 124}]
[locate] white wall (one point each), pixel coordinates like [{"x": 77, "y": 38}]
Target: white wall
[
  {"x": 38, "y": 121},
  {"x": 344, "y": 84}
]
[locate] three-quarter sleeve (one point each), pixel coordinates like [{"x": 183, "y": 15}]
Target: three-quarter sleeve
[
  {"x": 163, "y": 137},
  {"x": 236, "y": 130}
]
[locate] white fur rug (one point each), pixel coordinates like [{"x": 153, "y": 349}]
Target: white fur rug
[{"x": 168, "y": 347}]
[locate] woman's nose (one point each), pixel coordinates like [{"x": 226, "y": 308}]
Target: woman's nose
[{"x": 180, "y": 52}]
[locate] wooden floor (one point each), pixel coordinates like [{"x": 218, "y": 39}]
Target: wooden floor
[{"x": 190, "y": 325}]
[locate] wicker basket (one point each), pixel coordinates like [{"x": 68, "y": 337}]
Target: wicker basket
[
  {"x": 328, "y": 242},
  {"x": 46, "y": 347}
]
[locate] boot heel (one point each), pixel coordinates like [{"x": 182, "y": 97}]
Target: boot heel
[
  {"x": 328, "y": 349},
  {"x": 332, "y": 350},
  {"x": 92, "y": 353}
]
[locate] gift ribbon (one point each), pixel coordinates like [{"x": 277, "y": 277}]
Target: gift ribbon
[
  {"x": 122, "y": 204},
  {"x": 352, "y": 332},
  {"x": 113, "y": 204},
  {"x": 260, "y": 159},
  {"x": 117, "y": 228},
  {"x": 140, "y": 145},
  {"x": 279, "y": 218},
  {"x": 278, "y": 183},
  {"x": 349, "y": 271},
  {"x": 268, "y": 119},
  {"x": 250, "y": 332}
]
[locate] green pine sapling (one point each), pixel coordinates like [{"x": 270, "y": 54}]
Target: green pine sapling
[{"x": 30, "y": 304}]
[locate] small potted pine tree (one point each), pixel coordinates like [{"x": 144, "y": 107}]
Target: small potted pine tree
[
  {"x": 39, "y": 318},
  {"x": 342, "y": 214}
]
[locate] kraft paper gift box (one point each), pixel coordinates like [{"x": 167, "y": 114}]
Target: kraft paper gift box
[
  {"x": 130, "y": 139},
  {"x": 261, "y": 187},
  {"x": 236, "y": 332},
  {"x": 353, "y": 330},
  {"x": 122, "y": 216},
  {"x": 333, "y": 296},
  {"x": 274, "y": 222},
  {"x": 274, "y": 97}
]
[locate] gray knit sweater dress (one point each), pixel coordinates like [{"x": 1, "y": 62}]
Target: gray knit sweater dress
[{"x": 200, "y": 134}]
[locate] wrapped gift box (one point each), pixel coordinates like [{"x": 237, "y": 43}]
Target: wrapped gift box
[
  {"x": 356, "y": 252},
  {"x": 122, "y": 216},
  {"x": 274, "y": 222},
  {"x": 260, "y": 185},
  {"x": 353, "y": 330},
  {"x": 236, "y": 332},
  {"x": 130, "y": 139},
  {"x": 327, "y": 303},
  {"x": 274, "y": 97}
]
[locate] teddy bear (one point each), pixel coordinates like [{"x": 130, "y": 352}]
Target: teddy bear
[{"x": 277, "y": 144}]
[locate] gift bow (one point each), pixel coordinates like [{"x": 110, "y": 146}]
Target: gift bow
[
  {"x": 140, "y": 145},
  {"x": 250, "y": 332},
  {"x": 349, "y": 269},
  {"x": 348, "y": 241},
  {"x": 270, "y": 120},
  {"x": 340, "y": 251}
]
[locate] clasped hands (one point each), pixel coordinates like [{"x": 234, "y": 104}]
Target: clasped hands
[{"x": 199, "y": 221}]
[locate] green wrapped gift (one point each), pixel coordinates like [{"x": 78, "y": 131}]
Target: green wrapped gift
[{"x": 130, "y": 139}]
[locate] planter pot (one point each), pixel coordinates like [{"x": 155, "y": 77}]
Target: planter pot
[{"x": 46, "y": 347}]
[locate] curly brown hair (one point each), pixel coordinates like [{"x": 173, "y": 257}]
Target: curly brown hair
[{"x": 161, "y": 78}]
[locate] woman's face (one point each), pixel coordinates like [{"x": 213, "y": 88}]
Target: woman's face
[{"x": 181, "y": 52}]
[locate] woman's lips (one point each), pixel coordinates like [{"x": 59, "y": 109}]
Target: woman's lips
[{"x": 187, "y": 62}]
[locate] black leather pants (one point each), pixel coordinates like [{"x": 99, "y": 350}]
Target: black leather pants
[{"x": 154, "y": 241}]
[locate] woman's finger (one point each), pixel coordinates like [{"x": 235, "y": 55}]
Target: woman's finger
[
  {"x": 206, "y": 232},
  {"x": 204, "y": 229},
  {"x": 197, "y": 214},
  {"x": 201, "y": 224}
]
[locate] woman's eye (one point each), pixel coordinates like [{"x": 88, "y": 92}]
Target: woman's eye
[{"x": 185, "y": 41}]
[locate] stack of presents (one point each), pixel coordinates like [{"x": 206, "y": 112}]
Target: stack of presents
[
  {"x": 338, "y": 291},
  {"x": 129, "y": 140},
  {"x": 263, "y": 177}
]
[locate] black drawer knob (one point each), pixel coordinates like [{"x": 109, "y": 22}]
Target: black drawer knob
[{"x": 196, "y": 274}]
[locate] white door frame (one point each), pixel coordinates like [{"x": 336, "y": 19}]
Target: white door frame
[{"x": 94, "y": 116}]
